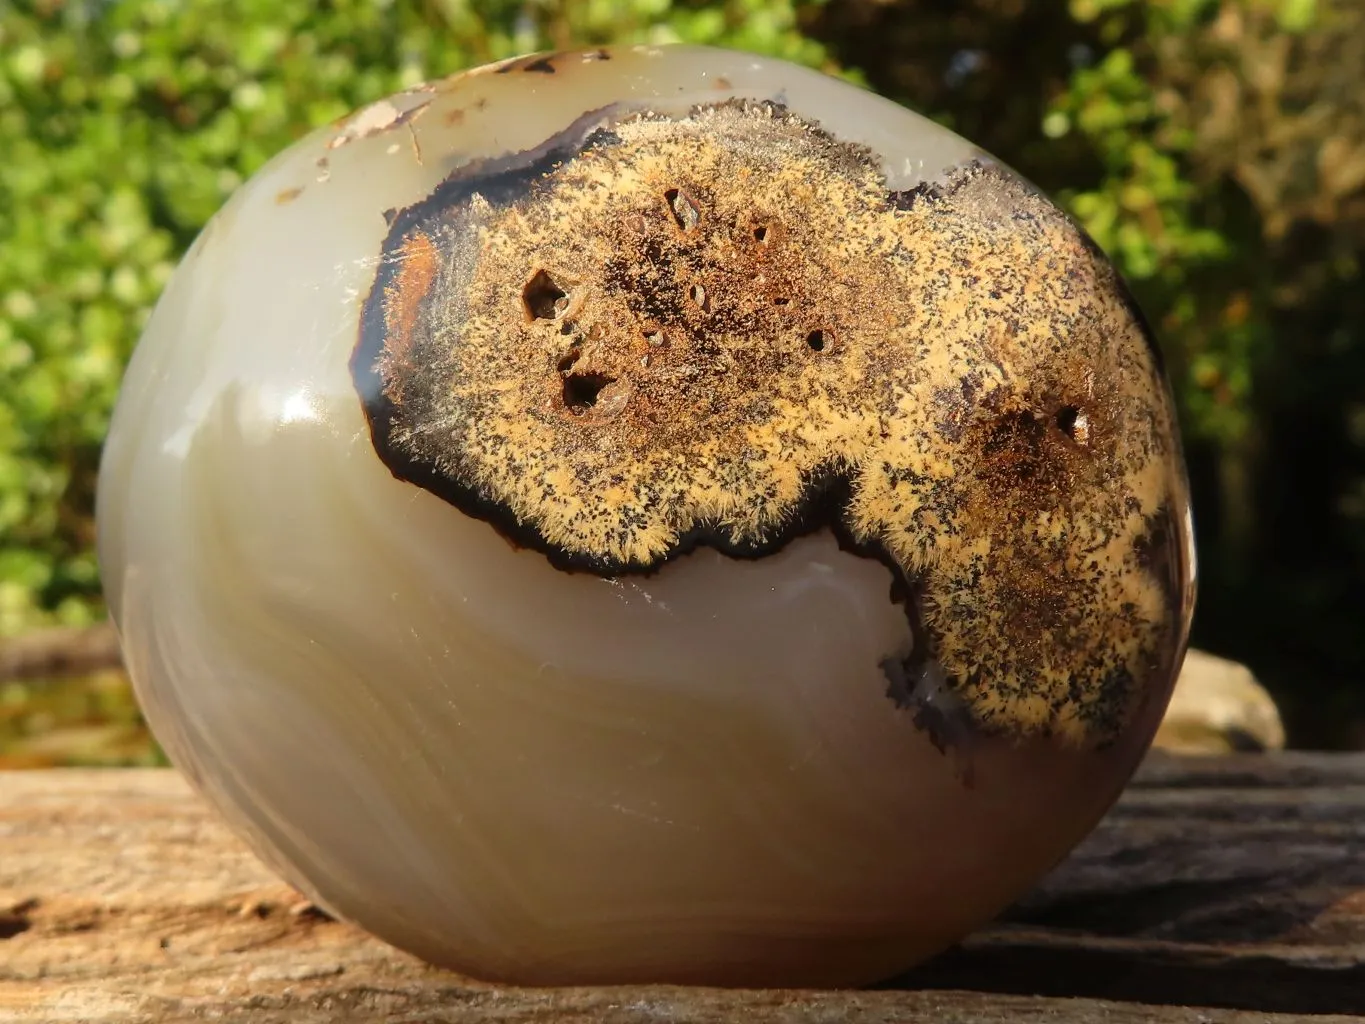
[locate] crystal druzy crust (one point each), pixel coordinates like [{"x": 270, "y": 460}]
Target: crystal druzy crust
[{"x": 653, "y": 333}]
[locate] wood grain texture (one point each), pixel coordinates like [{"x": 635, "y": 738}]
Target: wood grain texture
[{"x": 1221, "y": 890}]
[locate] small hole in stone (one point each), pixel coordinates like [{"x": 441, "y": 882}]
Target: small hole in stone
[
  {"x": 1073, "y": 423},
  {"x": 581, "y": 390},
  {"x": 571, "y": 357},
  {"x": 685, "y": 212},
  {"x": 13, "y": 923},
  {"x": 781, "y": 300},
  {"x": 816, "y": 340},
  {"x": 760, "y": 233},
  {"x": 544, "y": 300}
]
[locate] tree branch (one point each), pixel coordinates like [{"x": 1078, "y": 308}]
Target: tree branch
[{"x": 69, "y": 651}]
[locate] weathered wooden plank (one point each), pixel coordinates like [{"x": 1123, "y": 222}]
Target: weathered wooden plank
[{"x": 1235, "y": 886}]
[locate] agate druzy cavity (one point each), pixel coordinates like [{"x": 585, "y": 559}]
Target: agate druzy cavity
[{"x": 650, "y": 514}]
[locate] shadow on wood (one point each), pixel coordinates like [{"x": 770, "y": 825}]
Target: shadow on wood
[{"x": 1235, "y": 882}]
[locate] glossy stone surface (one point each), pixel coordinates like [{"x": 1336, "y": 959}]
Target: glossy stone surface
[{"x": 858, "y": 667}]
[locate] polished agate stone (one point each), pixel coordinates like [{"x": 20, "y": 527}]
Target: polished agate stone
[{"x": 651, "y": 514}]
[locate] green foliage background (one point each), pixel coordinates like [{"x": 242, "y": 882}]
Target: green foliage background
[{"x": 1215, "y": 148}]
